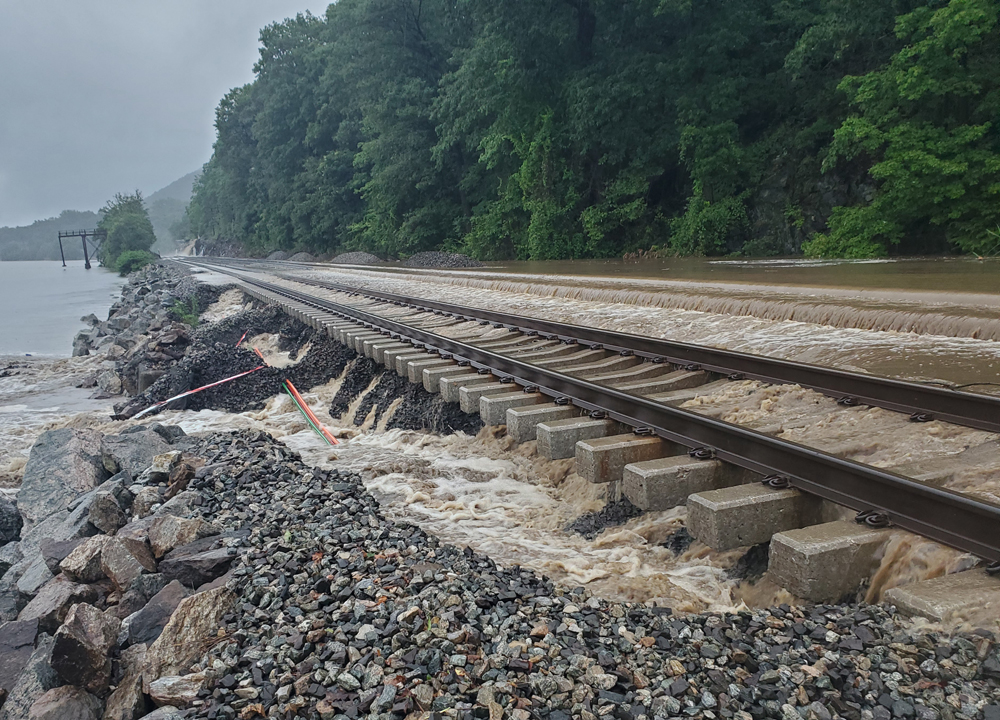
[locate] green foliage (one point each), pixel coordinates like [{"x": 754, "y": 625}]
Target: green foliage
[
  {"x": 127, "y": 223},
  {"x": 710, "y": 228},
  {"x": 928, "y": 119},
  {"x": 592, "y": 128},
  {"x": 131, "y": 260},
  {"x": 186, "y": 312}
]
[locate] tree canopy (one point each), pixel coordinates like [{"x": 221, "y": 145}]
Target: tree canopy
[
  {"x": 129, "y": 229},
  {"x": 590, "y": 128}
]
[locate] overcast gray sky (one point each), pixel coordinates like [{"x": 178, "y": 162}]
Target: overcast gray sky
[{"x": 104, "y": 96}]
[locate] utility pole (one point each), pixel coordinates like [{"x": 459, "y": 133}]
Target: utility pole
[{"x": 99, "y": 235}]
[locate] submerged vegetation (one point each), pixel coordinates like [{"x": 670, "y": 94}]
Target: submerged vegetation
[{"x": 589, "y": 128}]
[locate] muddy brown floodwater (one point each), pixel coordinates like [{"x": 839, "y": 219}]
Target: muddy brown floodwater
[
  {"x": 503, "y": 499},
  {"x": 500, "y": 498}
]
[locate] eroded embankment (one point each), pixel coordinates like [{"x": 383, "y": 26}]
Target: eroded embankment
[
  {"x": 473, "y": 485},
  {"x": 501, "y": 498}
]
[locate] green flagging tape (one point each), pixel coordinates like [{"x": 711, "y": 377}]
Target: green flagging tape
[{"x": 305, "y": 414}]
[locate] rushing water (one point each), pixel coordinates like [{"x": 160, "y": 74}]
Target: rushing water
[
  {"x": 505, "y": 500},
  {"x": 833, "y": 338},
  {"x": 949, "y": 275}
]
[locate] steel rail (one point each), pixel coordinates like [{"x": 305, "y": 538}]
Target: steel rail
[
  {"x": 942, "y": 515},
  {"x": 921, "y": 402}
]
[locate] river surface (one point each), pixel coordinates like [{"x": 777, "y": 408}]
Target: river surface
[{"x": 41, "y": 304}]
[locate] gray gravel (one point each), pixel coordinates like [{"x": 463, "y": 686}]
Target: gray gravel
[
  {"x": 441, "y": 260},
  {"x": 357, "y": 258},
  {"x": 343, "y": 613}
]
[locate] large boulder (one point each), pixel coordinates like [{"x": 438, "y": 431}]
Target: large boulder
[
  {"x": 132, "y": 450},
  {"x": 10, "y": 521},
  {"x": 35, "y": 680},
  {"x": 17, "y": 642},
  {"x": 121, "y": 565},
  {"x": 12, "y": 600},
  {"x": 10, "y": 554},
  {"x": 55, "y": 551},
  {"x": 145, "y": 625},
  {"x": 53, "y": 602},
  {"x": 137, "y": 529},
  {"x": 81, "y": 653},
  {"x": 183, "y": 504},
  {"x": 181, "y": 643},
  {"x": 66, "y": 703},
  {"x": 140, "y": 592},
  {"x": 166, "y": 712},
  {"x": 178, "y": 691},
  {"x": 35, "y": 575},
  {"x": 62, "y": 464},
  {"x": 194, "y": 566},
  {"x": 128, "y": 702},
  {"x": 64, "y": 525},
  {"x": 167, "y": 532},
  {"x": 83, "y": 564},
  {"x": 105, "y": 513}
]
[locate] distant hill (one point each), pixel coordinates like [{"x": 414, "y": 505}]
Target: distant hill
[
  {"x": 166, "y": 209},
  {"x": 177, "y": 190},
  {"x": 40, "y": 240}
]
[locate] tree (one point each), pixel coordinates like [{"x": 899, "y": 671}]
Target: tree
[
  {"x": 127, "y": 223},
  {"x": 929, "y": 121}
]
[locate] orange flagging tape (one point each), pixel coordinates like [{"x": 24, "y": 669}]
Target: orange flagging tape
[{"x": 310, "y": 414}]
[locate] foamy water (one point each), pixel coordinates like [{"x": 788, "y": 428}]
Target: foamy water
[
  {"x": 38, "y": 394},
  {"x": 504, "y": 500},
  {"x": 908, "y": 355}
]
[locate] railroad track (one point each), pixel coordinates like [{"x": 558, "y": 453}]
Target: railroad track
[{"x": 612, "y": 398}]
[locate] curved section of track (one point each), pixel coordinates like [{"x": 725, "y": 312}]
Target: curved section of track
[{"x": 945, "y": 516}]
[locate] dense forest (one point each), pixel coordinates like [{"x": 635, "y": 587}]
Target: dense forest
[{"x": 591, "y": 128}]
